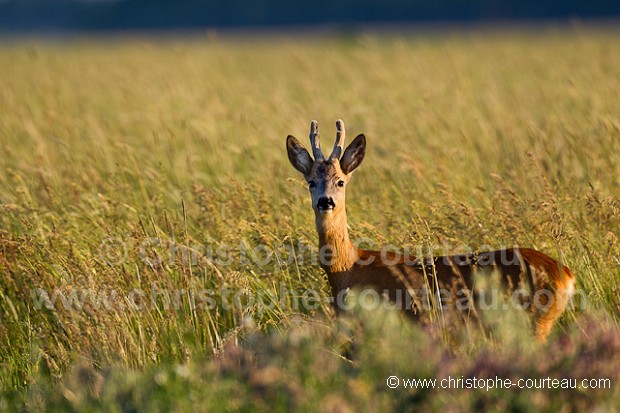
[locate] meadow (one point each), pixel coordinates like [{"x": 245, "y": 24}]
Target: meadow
[{"x": 146, "y": 200}]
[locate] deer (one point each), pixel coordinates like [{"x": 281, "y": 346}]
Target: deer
[{"x": 545, "y": 285}]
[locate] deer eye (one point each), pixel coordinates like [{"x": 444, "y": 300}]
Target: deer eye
[
  {"x": 340, "y": 183},
  {"x": 311, "y": 184}
]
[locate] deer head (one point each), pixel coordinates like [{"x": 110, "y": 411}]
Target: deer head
[{"x": 327, "y": 178}]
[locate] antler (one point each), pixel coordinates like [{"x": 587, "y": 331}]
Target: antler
[
  {"x": 340, "y": 136},
  {"x": 315, "y": 142}
]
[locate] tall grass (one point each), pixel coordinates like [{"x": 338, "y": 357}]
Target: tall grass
[{"x": 473, "y": 139}]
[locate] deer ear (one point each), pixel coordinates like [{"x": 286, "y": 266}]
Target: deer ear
[
  {"x": 354, "y": 154},
  {"x": 298, "y": 155}
]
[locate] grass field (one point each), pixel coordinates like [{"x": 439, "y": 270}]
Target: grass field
[{"x": 136, "y": 174}]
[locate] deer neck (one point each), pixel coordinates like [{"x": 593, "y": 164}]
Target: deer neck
[{"x": 336, "y": 251}]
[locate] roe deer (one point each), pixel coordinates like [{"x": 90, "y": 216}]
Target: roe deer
[{"x": 520, "y": 269}]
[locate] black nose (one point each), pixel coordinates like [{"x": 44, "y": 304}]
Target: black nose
[{"x": 325, "y": 203}]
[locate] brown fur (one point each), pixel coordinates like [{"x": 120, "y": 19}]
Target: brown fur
[
  {"x": 519, "y": 268},
  {"x": 347, "y": 267}
]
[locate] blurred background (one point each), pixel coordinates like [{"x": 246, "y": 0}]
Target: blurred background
[{"x": 112, "y": 15}]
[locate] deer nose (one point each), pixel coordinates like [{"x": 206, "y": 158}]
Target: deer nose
[{"x": 326, "y": 203}]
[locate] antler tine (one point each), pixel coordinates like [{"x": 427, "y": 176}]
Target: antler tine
[
  {"x": 340, "y": 136},
  {"x": 315, "y": 141}
]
